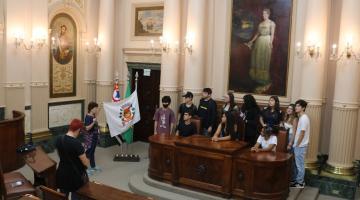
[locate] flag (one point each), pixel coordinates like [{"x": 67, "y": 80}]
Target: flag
[
  {"x": 128, "y": 135},
  {"x": 116, "y": 93},
  {"x": 120, "y": 116}
]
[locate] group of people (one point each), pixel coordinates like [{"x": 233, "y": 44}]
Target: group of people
[{"x": 260, "y": 125}]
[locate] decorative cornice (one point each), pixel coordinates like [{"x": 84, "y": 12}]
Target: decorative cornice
[
  {"x": 142, "y": 51},
  {"x": 193, "y": 90},
  {"x": 165, "y": 88},
  {"x": 39, "y": 84},
  {"x": 90, "y": 81},
  {"x": 317, "y": 102},
  {"x": 14, "y": 85},
  {"x": 104, "y": 83},
  {"x": 346, "y": 105}
]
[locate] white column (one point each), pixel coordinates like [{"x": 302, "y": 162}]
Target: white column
[
  {"x": 169, "y": 81},
  {"x": 106, "y": 58},
  {"x": 194, "y": 75},
  {"x": 312, "y": 81},
  {"x": 89, "y": 85},
  {"x": 346, "y": 95}
]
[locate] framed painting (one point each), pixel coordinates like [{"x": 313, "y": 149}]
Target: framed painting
[
  {"x": 259, "y": 48},
  {"x": 148, "y": 20},
  {"x": 63, "y": 56}
]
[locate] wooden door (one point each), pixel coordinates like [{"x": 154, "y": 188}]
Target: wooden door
[{"x": 148, "y": 95}]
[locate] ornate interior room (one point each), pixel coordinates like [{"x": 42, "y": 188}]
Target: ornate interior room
[{"x": 58, "y": 56}]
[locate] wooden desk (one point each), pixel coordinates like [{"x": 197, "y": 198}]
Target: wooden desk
[
  {"x": 227, "y": 168},
  {"x": 204, "y": 164},
  {"x": 96, "y": 191},
  {"x": 29, "y": 197},
  {"x": 43, "y": 166},
  {"x": 161, "y": 151},
  {"x": 263, "y": 175}
]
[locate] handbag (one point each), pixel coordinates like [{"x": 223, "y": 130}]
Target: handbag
[{"x": 84, "y": 176}]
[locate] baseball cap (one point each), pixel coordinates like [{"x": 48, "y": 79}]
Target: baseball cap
[{"x": 188, "y": 94}]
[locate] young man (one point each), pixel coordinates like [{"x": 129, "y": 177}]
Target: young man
[
  {"x": 164, "y": 118},
  {"x": 300, "y": 143},
  {"x": 187, "y": 106},
  {"x": 207, "y": 112},
  {"x": 186, "y": 128}
]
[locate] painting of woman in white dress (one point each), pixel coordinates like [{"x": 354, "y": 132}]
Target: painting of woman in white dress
[
  {"x": 261, "y": 49},
  {"x": 260, "y": 46}
]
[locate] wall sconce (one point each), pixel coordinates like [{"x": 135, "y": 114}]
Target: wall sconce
[
  {"x": 165, "y": 44},
  {"x": 36, "y": 42},
  {"x": 95, "y": 48},
  {"x": 312, "y": 50},
  {"x": 189, "y": 41},
  {"x": 348, "y": 53}
]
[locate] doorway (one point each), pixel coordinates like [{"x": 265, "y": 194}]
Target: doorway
[{"x": 148, "y": 96}]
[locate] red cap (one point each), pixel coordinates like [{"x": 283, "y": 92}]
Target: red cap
[{"x": 75, "y": 125}]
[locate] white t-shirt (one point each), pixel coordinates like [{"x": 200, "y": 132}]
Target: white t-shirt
[
  {"x": 265, "y": 143},
  {"x": 303, "y": 125}
]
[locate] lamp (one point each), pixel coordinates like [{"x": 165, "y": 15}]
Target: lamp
[
  {"x": 38, "y": 40},
  {"x": 95, "y": 48},
  {"x": 165, "y": 44},
  {"x": 348, "y": 53},
  {"x": 312, "y": 50},
  {"x": 189, "y": 41}
]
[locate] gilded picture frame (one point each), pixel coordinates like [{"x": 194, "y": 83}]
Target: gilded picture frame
[
  {"x": 148, "y": 20},
  {"x": 63, "y": 56},
  {"x": 260, "y": 48}
]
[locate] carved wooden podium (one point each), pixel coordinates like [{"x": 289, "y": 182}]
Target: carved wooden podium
[
  {"x": 225, "y": 168},
  {"x": 12, "y": 136}
]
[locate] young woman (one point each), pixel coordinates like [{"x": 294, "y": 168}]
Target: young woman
[
  {"x": 250, "y": 113},
  {"x": 91, "y": 135},
  {"x": 271, "y": 116},
  {"x": 225, "y": 130},
  {"x": 290, "y": 123},
  {"x": 230, "y": 106},
  {"x": 266, "y": 141}
]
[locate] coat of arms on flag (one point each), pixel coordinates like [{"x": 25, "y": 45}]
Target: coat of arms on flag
[
  {"x": 127, "y": 113},
  {"x": 121, "y": 115}
]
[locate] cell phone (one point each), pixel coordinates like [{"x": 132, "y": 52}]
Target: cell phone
[{"x": 16, "y": 184}]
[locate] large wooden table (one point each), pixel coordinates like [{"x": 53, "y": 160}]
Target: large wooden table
[
  {"x": 98, "y": 191},
  {"x": 226, "y": 168}
]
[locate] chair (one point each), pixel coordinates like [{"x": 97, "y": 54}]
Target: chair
[
  {"x": 197, "y": 122},
  {"x": 50, "y": 194},
  {"x": 9, "y": 191},
  {"x": 282, "y": 141}
]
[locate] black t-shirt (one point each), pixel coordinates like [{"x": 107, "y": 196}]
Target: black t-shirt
[
  {"x": 70, "y": 170},
  {"x": 207, "y": 111},
  {"x": 184, "y": 108},
  {"x": 271, "y": 118},
  {"x": 186, "y": 129}
]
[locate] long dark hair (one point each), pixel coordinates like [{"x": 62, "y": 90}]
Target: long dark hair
[
  {"x": 229, "y": 124},
  {"x": 232, "y": 100},
  {"x": 249, "y": 103},
  {"x": 277, "y": 103}
]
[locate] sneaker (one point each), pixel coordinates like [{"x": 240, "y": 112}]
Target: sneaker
[
  {"x": 90, "y": 172},
  {"x": 298, "y": 185},
  {"x": 96, "y": 169}
]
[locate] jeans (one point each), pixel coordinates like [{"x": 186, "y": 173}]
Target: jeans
[
  {"x": 90, "y": 153},
  {"x": 74, "y": 196},
  {"x": 299, "y": 168}
]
